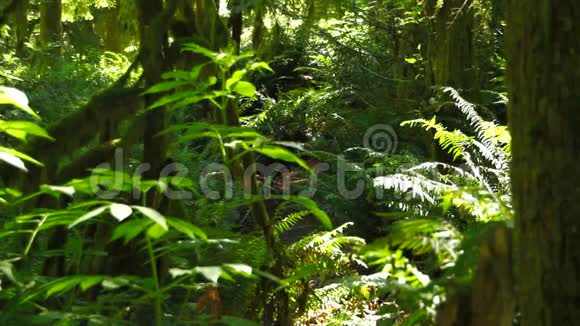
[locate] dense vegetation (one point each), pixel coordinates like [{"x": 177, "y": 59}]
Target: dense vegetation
[{"x": 291, "y": 162}]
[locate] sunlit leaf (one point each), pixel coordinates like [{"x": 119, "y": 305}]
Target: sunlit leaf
[
  {"x": 55, "y": 190},
  {"x": 259, "y": 66},
  {"x": 20, "y": 129},
  {"x": 313, "y": 207},
  {"x": 156, "y": 231},
  {"x": 130, "y": 229},
  {"x": 236, "y": 77},
  {"x": 186, "y": 228},
  {"x": 245, "y": 88},
  {"x": 212, "y": 273},
  {"x": 90, "y": 281},
  {"x": 280, "y": 153},
  {"x": 152, "y": 214},
  {"x": 88, "y": 216},
  {"x": 20, "y": 155},
  {"x": 240, "y": 269},
  {"x": 9, "y": 95},
  {"x": 166, "y": 86},
  {"x": 120, "y": 211},
  {"x": 13, "y": 160}
]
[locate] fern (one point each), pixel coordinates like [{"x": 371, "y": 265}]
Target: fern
[{"x": 290, "y": 221}]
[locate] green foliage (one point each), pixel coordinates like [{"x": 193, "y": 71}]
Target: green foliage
[
  {"x": 435, "y": 203},
  {"x": 126, "y": 255}
]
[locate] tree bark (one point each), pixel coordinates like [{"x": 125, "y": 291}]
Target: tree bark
[
  {"x": 450, "y": 55},
  {"x": 236, "y": 22},
  {"x": 51, "y": 25},
  {"x": 21, "y": 20},
  {"x": 153, "y": 45},
  {"x": 543, "y": 50}
]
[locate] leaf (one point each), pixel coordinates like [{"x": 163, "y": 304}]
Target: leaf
[
  {"x": 156, "y": 231},
  {"x": 245, "y": 88},
  {"x": 62, "y": 285},
  {"x": 240, "y": 269},
  {"x": 153, "y": 215},
  {"x": 192, "y": 47},
  {"x": 88, "y": 216},
  {"x": 178, "y": 272},
  {"x": 236, "y": 77},
  {"x": 166, "y": 86},
  {"x": 20, "y": 155},
  {"x": 120, "y": 211},
  {"x": 186, "y": 228},
  {"x": 212, "y": 273},
  {"x": 56, "y": 190},
  {"x": 6, "y": 268},
  {"x": 313, "y": 207},
  {"x": 9, "y": 95},
  {"x": 411, "y": 60},
  {"x": 280, "y": 153},
  {"x": 130, "y": 229},
  {"x": 90, "y": 281},
  {"x": 20, "y": 129},
  {"x": 260, "y": 65},
  {"x": 13, "y": 160}
]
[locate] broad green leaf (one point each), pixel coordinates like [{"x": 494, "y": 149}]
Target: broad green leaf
[
  {"x": 240, "y": 268},
  {"x": 9, "y": 95},
  {"x": 192, "y": 47},
  {"x": 156, "y": 231},
  {"x": 20, "y": 129},
  {"x": 260, "y": 65},
  {"x": 178, "y": 272},
  {"x": 13, "y": 160},
  {"x": 20, "y": 155},
  {"x": 62, "y": 285},
  {"x": 7, "y": 269},
  {"x": 236, "y": 77},
  {"x": 153, "y": 215},
  {"x": 56, "y": 190},
  {"x": 130, "y": 229},
  {"x": 120, "y": 211},
  {"x": 90, "y": 281},
  {"x": 171, "y": 98},
  {"x": 166, "y": 86},
  {"x": 280, "y": 153},
  {"x": 88, "y": 216},
  {"x": 186, "y": 228},
  {"x": 211, "y": 273},
  {"x": 245, "y": 88},
  {"x": 411, "y": 60}
]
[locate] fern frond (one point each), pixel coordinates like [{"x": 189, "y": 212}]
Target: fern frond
[{"x": 285, "y": 224}]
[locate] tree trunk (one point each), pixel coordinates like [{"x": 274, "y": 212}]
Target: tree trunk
[
  {"x": 153, "y": 44},
  {"x": 543, "y": 49},
  {"x": 21, "y": 20},
  {"x": 51, "y": 25},
  {"x": 236, "y": 22},
  {"x": 450, "y": 55}
]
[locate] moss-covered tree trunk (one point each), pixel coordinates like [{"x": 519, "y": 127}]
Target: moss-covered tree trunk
[
  {"x": 450, "y": 49},
  {"x": 543, "y": 49},
  {"x": 21, "y": 20},
  {"x": 51, "y": 25},
  {"x": 153, "y": 45}
]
